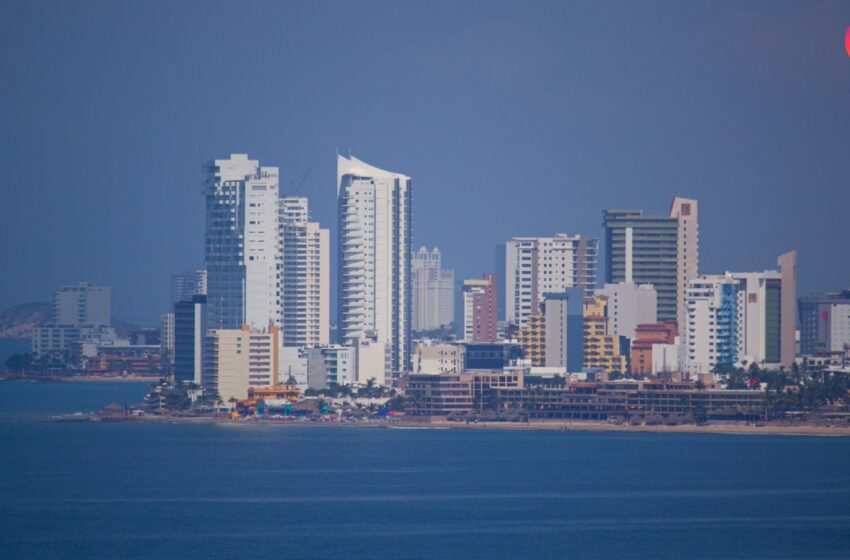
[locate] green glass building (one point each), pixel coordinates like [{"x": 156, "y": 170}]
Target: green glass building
[{"x": 644, "y": 249}]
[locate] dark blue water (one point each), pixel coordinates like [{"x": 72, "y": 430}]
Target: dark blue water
[{"x": 184, "y": 491}]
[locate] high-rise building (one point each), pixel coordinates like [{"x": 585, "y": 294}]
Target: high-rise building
[
  {"x": 712, "y": 334},
  {"x": 433, "y": 291},
  {"x": 825, "y": 323},
  {"x": 374, "y": 258},
  {"x": 788, "y": 307},
  {"x": 304, "y": 276},
  {"x": 685, "y": 210},
  {"x": 189, "y": 339},
  {"x": 242, "y": 244},
  {"x": 601, "y": 349},
  {"x": 535, "y": 266},
  {"x": 236, "y": 359},
  {"x": 480, "y": 316},
  {"x": 759, "y": 317},
  {"x": 736, "y": 319},
  {"x": 629, "y": 305},
  {"x": 82, "y": 305},
  {"x": 658, "y": 250},
  {"x": 544, "y": 337},
  {"x": 186, "y": 285},
  {"x": 166, "y": 339}
]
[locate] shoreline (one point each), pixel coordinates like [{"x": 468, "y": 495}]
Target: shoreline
[{"x": 727, "y": 429}]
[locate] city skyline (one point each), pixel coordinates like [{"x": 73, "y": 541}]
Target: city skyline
[{"x": 759, "y": 121}]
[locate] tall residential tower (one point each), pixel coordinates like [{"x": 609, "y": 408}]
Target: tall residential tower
[
  {"x": 536, "y": 266},
  {"x": 304, "y": 276},
  {"x": 374, "y": 258},
  {"x": 241, "y": 244},
  {"x": 658, "y": 250}
]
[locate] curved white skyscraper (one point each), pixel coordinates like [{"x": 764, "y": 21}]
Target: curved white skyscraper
[{"x": 374, "y": 258}]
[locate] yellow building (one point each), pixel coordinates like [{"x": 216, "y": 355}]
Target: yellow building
[
  {"x": 238, "y": 359},
  {"x": 601, "y": 350},
  {"x": 532, "y": 339}
]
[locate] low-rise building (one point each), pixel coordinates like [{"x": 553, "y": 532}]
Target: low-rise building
[
  {"x": 238, "y": 359},
  {"x": 439, "y": 358}
]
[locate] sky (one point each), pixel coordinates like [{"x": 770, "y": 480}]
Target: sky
[{"x": 512, "y": 118}]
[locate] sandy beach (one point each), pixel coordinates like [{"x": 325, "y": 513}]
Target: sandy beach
[{"x": 739, "y": 429}]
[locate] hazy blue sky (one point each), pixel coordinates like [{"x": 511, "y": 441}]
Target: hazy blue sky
[{"x": 513, "y": 118}]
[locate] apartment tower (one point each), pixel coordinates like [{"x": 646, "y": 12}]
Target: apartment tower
[{"x": 374, "y": 258}]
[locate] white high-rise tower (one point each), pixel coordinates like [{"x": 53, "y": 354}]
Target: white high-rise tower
[
  {"x": 374, "y": 258},
  {"x": 304, "y": 276},
  {"x": 242, "y": 246}
]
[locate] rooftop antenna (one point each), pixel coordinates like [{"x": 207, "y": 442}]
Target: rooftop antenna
[{"x": 304, "y": 178}]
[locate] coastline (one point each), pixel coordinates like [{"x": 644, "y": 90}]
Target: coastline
[{"x": 589, "y": 426}]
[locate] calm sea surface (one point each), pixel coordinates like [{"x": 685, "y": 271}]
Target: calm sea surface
[{"x": 72, "y": 490}]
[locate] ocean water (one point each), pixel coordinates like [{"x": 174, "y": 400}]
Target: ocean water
[{"x": 70, "y": 490}]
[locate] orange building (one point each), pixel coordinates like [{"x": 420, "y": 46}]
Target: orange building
[{"x": 647, "y": 336}]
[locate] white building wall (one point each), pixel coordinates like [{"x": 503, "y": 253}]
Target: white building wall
[
  {"x": 629, "y": 305},
  {"x": 839, "y": 327},
  {"x": 374, "y": 263},
  {"x": 535, "y": 266}
]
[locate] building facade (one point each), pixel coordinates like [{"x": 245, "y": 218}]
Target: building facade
[
  {"x": 189, "y": 340},
  {"x": 81, "y": 305},
  {"x": 712, "y": 334},
  {"x": 304, "y": 276},
  {"x": 480, "y": 309},
  {"x": 659, "y": 250},
  {"x": 432, "y": 291},
  {"x": 242, "y": 249},
  {"x": 535, "y": 266},
  {"x": 825, "y": 323},
  {"x": 166, "y": 339},
  {"x": 439, "y": 358},
  {"x": 647, "y": 336},
  {"x": 601, "y": 349},
  {"x": 374, "y": 258},
  {"x": 759, "y": 317},
  {"x": 186, "y": 285},
  {"x": 629, "y": 305},
  {"x": 237, "y": 359}
]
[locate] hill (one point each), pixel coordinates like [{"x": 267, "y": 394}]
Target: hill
[{"x": 19, "y": 320}]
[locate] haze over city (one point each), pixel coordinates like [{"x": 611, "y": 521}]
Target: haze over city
[{"x": 512, "y": 119}]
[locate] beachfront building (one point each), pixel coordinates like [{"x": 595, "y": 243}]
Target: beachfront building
[
  {"x": 237, "y": 359},
  {"x": 439, "y": 358},
  {"x": 374, "y": 259},
  {"x": 189, "y": 340}
]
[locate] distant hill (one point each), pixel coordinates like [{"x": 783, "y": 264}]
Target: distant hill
[{"x": 19, "y": 320}]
